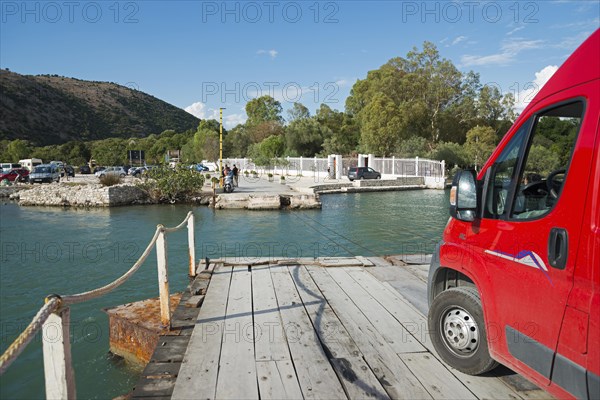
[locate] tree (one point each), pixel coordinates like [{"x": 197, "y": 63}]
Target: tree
[
  {"x": 298, "y": 111},
  {"x": 305, "y": 137},
  {"x": 18, "y": 149},
  {"x": 264, "y": 152},
  {"x": 481, "y": 142},
  {"x": 381, "y": 125},
  {"x": 415, "y": 146},
  {"x": 263, "y": 109}
]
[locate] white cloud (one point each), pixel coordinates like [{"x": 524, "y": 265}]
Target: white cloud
[
  {"x": 507, "y": 55},
  {"x": 199, "y": 110},
  {"x": 458, "y": 40},
  {"x": 272, "y": 53},
  {"x": 530, "y": 89},
  {"x": 517, "y": 29}
]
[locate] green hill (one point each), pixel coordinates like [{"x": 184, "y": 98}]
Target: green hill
[{"x": 53, "y": 110}]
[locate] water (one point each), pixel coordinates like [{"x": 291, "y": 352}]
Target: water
[{"x": 54, "y": 250}]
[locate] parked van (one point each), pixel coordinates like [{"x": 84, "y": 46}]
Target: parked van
[
  {"x": 516, "y": 278},
  {"x": 45, "y": 173},
  {"x": 30, "y": 163},
  {"x": 6, "y": 167}
]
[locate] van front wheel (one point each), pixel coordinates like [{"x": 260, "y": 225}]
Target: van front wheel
[{"x": 458, "y": 331}]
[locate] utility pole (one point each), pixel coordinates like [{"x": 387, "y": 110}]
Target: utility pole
[{"x": 221, "y": 145}]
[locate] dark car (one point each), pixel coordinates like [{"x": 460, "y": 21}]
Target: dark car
[
  {"x": 363, "y": 173},
  {"x": 70, "y": 171},
  {"x": 84, "y": 169},
  {"x": 16, "y": 175}
]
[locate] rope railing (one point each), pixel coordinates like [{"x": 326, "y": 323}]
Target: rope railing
[{"x": 58, "y": 372}]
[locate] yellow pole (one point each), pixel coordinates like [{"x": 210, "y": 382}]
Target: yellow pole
[{"x": 221, "y": 145}]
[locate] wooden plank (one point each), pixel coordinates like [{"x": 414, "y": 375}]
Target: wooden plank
[
  {"x": 484, "y": 387},
  {"x": 402, "y": 281},
  {"x": 392, "y": 330},
  {"x": 315, "y": 374},
  {"x": 440, "y": 383},
  {"x": 365, "y": 261},
  {"x": 270, "y": 343},
  {"x": 277, "y": 380},
  {"x": 198, "y": 374},
  {"x": 237, "y": 367},
  {"x": 404, "y": 312},
  {"x": 392, "y": 373},
  {"x": 357, "y": 378}
]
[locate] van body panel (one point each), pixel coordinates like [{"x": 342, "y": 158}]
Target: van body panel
[{"x": 542, "y": 316}]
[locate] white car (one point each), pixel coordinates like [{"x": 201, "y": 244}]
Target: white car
[
  {"x": 111, "y": 171},
  {"x": 212, "y": 167}
]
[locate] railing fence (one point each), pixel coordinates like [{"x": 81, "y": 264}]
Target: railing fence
[{"x": 58, "y": 370}]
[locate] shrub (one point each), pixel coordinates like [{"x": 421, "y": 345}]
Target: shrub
[
  {"x": 172, "y": 185},
  {"x": 207, "y": 176},
  {"x": 110, "y": 179},
  {"x": 270, "y": 175}
]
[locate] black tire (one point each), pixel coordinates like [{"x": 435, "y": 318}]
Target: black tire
[{"x": 457, "y": 330}]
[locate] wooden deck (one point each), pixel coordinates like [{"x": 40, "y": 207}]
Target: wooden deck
[{"x": 293, "y": 331}]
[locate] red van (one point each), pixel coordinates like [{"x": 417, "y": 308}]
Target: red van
[{"x": 516, "y": 278}]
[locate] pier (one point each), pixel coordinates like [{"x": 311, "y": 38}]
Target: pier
[{"x": 335, "y": 328}]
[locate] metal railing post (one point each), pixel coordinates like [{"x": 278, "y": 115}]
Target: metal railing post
[
  {"x": 163, "y": 278},
  {"x": 191, "y": 246},
  {"x": 56, "y": 347}
]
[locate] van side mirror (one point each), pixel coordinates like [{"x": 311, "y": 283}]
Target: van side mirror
[{"x": 463, "y": 196}]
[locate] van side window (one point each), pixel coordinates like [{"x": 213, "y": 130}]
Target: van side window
[
  {"x": 547, "y": 160},
  {"x": 532, "y": 186},
  {"x": 504, "y": 172}
]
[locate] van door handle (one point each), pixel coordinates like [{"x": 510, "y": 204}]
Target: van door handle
[{"x": 558, "y": 248}]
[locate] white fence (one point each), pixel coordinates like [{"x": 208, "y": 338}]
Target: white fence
[{"x": 318, "y": 167}]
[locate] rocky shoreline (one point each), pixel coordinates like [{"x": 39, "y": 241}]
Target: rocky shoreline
[{"x": 72, "y": 194}]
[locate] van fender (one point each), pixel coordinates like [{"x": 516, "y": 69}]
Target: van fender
[{"x": 470, "y": 270}]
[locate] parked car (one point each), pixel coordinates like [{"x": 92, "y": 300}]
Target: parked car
[
  {"x": 85, "y": 170},
  {"x": 45, "y": 173},
  {"x": 212, "y": 167},
  {"x": 142, "y": 170},
  {"x": 363, "y": 173},
  {"x": 199, "y": 167},
  {"x": 516, "y": 277},
  {"x": 16, "y": 175},
  {"x": 111, "y": 171},
  {"x": 98, "y": 169}
]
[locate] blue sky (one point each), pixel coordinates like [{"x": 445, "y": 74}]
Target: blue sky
[{"x": 202, "y": 55}]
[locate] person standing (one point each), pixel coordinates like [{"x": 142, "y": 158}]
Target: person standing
[{"x": 235, "y": 176}]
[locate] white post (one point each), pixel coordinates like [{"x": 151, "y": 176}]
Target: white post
[
  {"x": 56, "y": 347},
  {"x": 416, "y": 166},
  {"x": 191, "y": 246},
  {"x": 339, "y": 166},
  {"x": 443, "y": 169},
  {"x": 163, "y": 278},
  {"x": 393, "y": 165}
]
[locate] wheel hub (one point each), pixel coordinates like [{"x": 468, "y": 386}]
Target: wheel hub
[{"x": 460, "y": 331}]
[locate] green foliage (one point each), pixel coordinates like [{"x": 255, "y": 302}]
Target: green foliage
[
  {"x": 542, "y": 160},
  {"x": 110, "y": 179},
  {"x": 381, "y": 125},
  {"x": 263, "y": 109},
  {"x": 415, "y": 146},
  {"x": 172, "y": 185},
  {"x": 17, "y": 150},
  {"x": 298, "y": 111},
  {"x": 481, "y": 142},
  {"x": 305, "y": 137},
  {"x": 452, "y": 153},
  {"x": 265, "y": 152}
]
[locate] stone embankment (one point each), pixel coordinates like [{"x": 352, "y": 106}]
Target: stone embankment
[
  {"x": 82, "y": 195},
  {"x": 295, "y": 201}
]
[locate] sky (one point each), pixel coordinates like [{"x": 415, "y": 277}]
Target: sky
[{"x": 203, "y": 55}]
